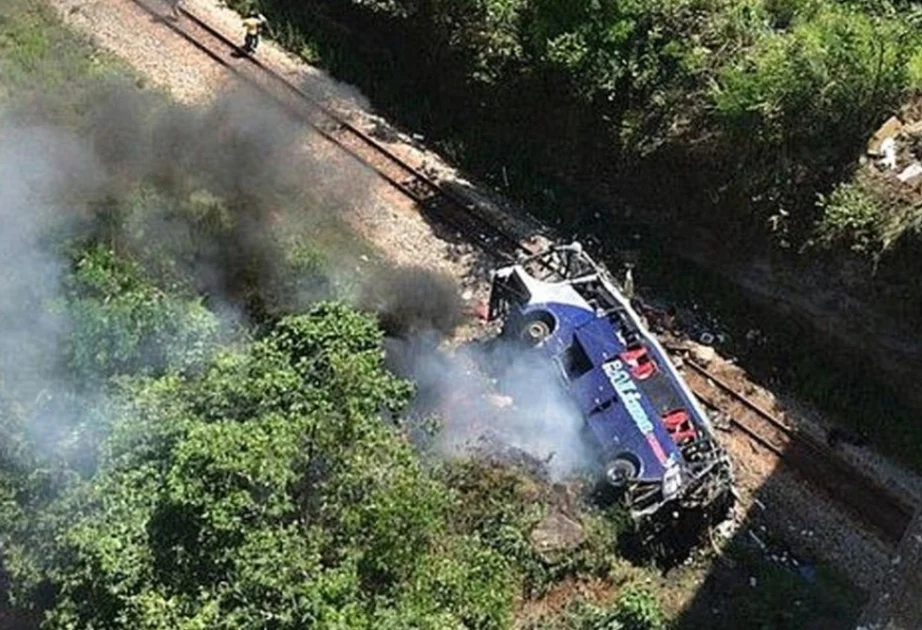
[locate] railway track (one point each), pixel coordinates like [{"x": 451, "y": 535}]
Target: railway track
[
  {"x": 862, "y": 498},
  {"x": 444, "y": 205}
]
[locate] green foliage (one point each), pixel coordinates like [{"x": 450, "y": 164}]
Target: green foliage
[
  {"x": 852, "y": 216},
  {"x": 817, "y": 84},
  {"x": 750, "y": 108},
  {"x": 634, "y": 609},
  {"x": 638, "y": 609},
  {"x": 122, "y": 324},
  {"x": 267, "y": 490},
  {"x": 865, "y": 217},
  {"x": 785, "y": 599},
  {"x": 37, "y": 55},
  {"x": 501, "y": 505}
]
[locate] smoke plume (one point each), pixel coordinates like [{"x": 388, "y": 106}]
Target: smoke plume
[
  {"x": 413, "y": 301},
  {"x": 219, "y": 195},
  {"x": 211, "y": 195},
  {"x": 493, "y": 397}
]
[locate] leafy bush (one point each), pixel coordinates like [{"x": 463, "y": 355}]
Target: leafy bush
[
  {"x": 852, "y": 216},
  {"x": 799, "y": 104},
  {"x": 122, "y": 324},
  {"x": 744, "y": 108},
  {"x": 638, "y": 609},
  {"x": 265, "y": 491},
  {"x": 634, "y": 609}
]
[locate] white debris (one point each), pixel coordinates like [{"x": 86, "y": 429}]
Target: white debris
[
  {"x": 890, "y": 129},
  {"x": 910, "y": 172},
  {"x": 498, "y": 400},
  {"x": 757, "y": 540},
  {"x": 753, "y": 582},
  {"x": 888, "y": 149},
  {"x": 467, "y": 295},
  {"x": 726, "y": 529}
]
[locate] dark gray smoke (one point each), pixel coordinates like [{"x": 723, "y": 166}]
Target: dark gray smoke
[
  {"x": 225, "y": 192},
  {"x": 413, "y": 301},
  {"x": 225, "y": 195},
  {"x": 264, "y": 183}
]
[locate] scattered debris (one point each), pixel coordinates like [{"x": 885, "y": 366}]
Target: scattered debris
[
  {"x": 721, "y": 421},
  {"x": 757, "y": 540},
  {"x": 888, "y": 148},
  {"x": 726, "y": 529},
  {"x": 887, "y": 131},
  {"x": 910, "y": 172}
]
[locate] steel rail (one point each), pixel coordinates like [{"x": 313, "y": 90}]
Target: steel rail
[
  {"x": 450, "y": 208},
  {"x": 864, "y": 498}
]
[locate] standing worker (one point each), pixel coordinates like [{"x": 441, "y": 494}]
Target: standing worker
[
  {"x": 174, "y": 8},
  {"x": 253, "y": 24}
]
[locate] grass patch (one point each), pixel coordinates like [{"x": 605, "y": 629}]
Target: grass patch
[{"x": 38, "y": 54}]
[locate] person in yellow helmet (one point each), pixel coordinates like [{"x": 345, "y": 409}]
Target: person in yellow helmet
[
  {"x": 253, "y": 24},
  {"x": 174, "y": 8}
]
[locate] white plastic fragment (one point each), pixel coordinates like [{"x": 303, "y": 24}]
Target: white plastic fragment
[
  {"x": 757, "y": 540},
  {"x": 910, "y": 172},
  {"x": 888, "y": 149}
]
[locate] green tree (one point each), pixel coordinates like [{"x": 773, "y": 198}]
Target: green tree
[
  {"x": 268, "y": 492},
  {"x": 122, "y": 324}
]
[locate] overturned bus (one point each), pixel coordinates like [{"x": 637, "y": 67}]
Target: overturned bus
[{"x": 655, "y": 443}]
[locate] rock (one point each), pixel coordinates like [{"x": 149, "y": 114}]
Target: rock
[
  {"x": 703, "y": 354},
  {"x": 555, "y": 534},
  {"x": 889, "y": 129}
]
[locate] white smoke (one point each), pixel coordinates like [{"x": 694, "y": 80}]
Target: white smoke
[
  {"x": 44, "y": 174},
  {"x": 494, "y": 397}
]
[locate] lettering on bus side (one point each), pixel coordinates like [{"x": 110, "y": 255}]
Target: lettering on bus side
[{"x": 627, "y": 392}]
